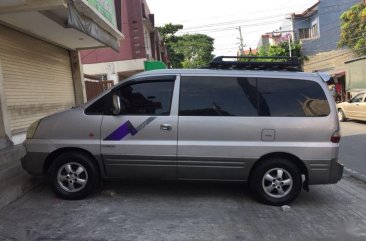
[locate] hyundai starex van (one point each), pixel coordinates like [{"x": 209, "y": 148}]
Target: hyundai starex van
[{"x": 276, "y": 130}]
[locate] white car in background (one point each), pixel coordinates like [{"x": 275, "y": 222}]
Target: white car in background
[{"x": 354, "y": 109}]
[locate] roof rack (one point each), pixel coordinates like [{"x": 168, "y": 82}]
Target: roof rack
[{"x": 256, "y": 63}]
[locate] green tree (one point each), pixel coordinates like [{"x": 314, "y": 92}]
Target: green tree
[
  {"x": 189, "y": 50},
  {"x": 167, "y": 33},
  {"x": 282, "y": 49},
  {"x": 196, "y": 49},
  {"x": 353, "y": 29}
]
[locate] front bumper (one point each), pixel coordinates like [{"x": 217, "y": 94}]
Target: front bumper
[{"x": 33, "y": 163}]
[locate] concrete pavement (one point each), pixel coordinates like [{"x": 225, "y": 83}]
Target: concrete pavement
[
  {"x": 14, "y": 181},
  {"x": 187, "y": 211}
]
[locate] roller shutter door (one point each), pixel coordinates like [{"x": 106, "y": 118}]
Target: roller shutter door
[{"x": 37, "y": 78}]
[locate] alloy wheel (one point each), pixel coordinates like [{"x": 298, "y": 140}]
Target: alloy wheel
[
  {"x": 277, "y": 182},
  {"x": 72, "y": 177}
]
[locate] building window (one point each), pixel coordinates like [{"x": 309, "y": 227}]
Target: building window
[
  {"x": 314, "y": 30},
  {"x": 304, "y": 33}
]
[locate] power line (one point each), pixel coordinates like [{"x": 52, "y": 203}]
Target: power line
[
  {"x": 241, "y": 13},
  {"x": 254, "y": 24}
]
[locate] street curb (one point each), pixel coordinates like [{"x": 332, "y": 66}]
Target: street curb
[{"x": 355, "y": 174}]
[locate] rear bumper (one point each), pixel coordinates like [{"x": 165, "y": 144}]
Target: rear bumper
[
  {"x": 336, "y": 172},
  {"x": 33, "y": 163},
  {"x": 325, "y": 172}
]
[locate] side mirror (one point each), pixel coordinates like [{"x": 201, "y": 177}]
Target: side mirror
[{"x": 116, "y": 105}]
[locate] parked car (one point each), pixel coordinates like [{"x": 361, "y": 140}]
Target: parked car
[
  {"x": 277, "y": 130},
  {"x": 354, "y": 109}
]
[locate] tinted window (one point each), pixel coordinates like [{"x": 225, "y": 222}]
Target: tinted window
[
  {"x": 218, "y": 96},
  {"x": 291, "y": 97},
  {"x": 146, "y": 98},
  {"x": 98, "y": 107}
]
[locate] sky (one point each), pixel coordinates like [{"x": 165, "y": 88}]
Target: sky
[{"x": 221, "y": 19}]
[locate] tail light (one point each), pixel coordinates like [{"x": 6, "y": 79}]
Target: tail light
[{"x": 336, "y": 137}]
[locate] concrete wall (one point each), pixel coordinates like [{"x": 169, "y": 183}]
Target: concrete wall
[
  {"x": 356, "y": 74},
  {"x": 330, "y": 61}
]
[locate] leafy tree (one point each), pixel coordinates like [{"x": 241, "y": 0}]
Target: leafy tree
[
  {"x": 189, "y": 50},
  {"x": 167, "y": 33},
  {"x": 196, "y": 49},
  {"x": 282, "y": 49},
  {"x": 353, "y": 29}
]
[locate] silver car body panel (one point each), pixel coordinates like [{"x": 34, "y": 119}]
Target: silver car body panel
[{"x": 214, "y": 148}]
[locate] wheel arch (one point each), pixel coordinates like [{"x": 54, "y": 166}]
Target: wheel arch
[
  {"x": 342, "y": 109},
  {"x": 53, "y": 155},
  {"x": 294, "y": 159}
]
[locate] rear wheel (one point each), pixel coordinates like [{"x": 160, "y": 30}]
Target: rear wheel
[
  {"x": 341, "y": 116},
  {"x": 73, "y": 175},
  {"x": 276, "y": 182}
]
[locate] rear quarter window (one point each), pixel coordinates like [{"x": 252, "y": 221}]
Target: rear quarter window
[{"x": 291, "y": 97}]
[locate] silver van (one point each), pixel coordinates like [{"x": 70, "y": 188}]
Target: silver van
[{"x": 276, "y": 130}]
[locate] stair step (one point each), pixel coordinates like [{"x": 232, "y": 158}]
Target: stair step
[
  {"x": 12, "y": 153},
  {"x": 16, "y": 186}
]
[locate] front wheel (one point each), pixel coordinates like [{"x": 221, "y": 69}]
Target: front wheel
[
  {"x": 341, "y": 116},
  {"x": 276, "y": 182},
  {"x": 73, "y": 175}
]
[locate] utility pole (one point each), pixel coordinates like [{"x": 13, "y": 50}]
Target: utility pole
[
  {"x": 289, "y": 46},
  {"x": 292, "y": 28},
  {"x": 241, "y": 46}
]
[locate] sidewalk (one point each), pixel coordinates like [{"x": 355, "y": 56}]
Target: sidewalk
[{"x": 14, "y": 181}]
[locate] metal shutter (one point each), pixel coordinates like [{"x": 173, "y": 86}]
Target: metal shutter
[{"x": 37, "y": 78}]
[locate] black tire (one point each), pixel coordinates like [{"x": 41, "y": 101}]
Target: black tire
[
  {"x": 258, "y": 182},
  {"x": 75, "y": 186},
  {"x": 341, "y": 115}
]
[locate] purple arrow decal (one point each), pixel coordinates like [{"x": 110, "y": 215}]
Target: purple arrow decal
[{"x": 127, "y": 128}]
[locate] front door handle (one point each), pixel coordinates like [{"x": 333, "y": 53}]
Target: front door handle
[{"x": 166, "y": 127}]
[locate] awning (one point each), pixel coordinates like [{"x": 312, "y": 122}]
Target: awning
[
  {"x": 91, "y": 28},
  {"x": 152, "y": 65},
  {"x": 71, "y": 24}
]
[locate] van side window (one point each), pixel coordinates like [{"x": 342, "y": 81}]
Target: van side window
[
  {"x": 291, "y": 97},
  {"x": 99, "y": 106},
  {"x": 146, "y": 98},
  {"x": 218, "y": 96}
]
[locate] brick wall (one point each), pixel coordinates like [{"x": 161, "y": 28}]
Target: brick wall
[{"x": 132, "y": 46}]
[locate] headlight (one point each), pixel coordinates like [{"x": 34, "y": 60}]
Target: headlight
[{"x": 32, "y": 129}]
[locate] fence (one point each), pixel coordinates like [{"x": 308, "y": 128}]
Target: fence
[{"x": 94, "y": 88}]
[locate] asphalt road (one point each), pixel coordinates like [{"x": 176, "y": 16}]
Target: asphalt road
[{"x": 352, "y": 152}]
